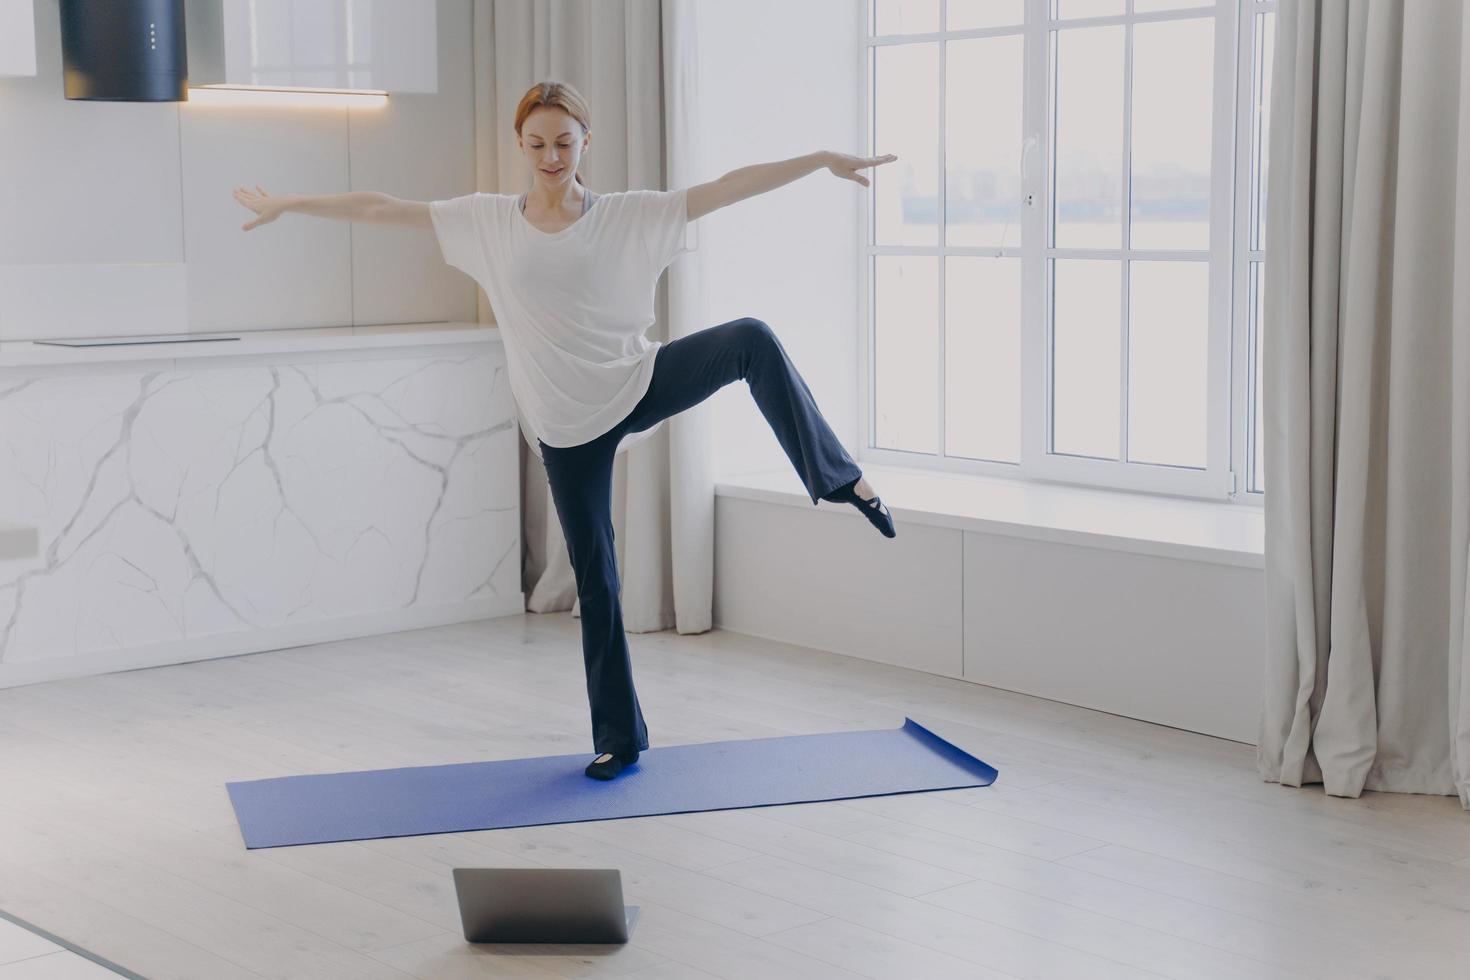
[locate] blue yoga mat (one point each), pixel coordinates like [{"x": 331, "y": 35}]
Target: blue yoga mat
[{"x": 313, "y": 809}]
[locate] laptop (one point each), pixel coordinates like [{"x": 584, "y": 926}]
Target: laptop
[{"x": 542, "y": 905}]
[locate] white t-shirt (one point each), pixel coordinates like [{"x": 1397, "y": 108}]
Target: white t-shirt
[{"x": 572, "y": 305}]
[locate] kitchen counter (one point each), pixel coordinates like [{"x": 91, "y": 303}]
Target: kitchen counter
[
  {"x": 25, "y": 353},
  {"x": 169, "y": 502}
]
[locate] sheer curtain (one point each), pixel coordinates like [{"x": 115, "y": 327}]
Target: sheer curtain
[
  {"x": 1367, "y": 399},
  {"x": 634, "y": 61}
]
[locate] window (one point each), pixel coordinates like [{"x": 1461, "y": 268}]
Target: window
[{"x": 1065, "y": 262}]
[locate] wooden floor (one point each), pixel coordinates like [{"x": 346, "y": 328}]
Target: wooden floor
[{"x": 1107, "y": 847}]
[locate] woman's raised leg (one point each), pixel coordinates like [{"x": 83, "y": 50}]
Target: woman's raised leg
[{"x": 692, "y": 368}]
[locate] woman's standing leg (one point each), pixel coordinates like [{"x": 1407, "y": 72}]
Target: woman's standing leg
[
  {"x": 581, "y": 487},
  {"x": 693, "y": 367}
]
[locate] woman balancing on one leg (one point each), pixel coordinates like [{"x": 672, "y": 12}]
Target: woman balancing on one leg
[{"x": 571, "y": 277}]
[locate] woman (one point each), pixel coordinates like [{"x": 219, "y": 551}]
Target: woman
[{"x": 571, "y": 277}]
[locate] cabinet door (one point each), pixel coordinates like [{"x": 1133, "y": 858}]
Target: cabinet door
[{"x": 389, "y": 45}]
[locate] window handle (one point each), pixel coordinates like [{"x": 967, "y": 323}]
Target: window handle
[{"x": 1031, "y": 143}]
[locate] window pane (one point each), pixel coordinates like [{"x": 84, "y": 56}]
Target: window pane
[
  {"x": 906, "y": 352},
  {"x": 983, "y": 141},
  {"x": 906, "y": 123},
  {"x": 1088, "y": 126},
  {"x": 1258, "y": 307},
  {"x": 905, "y": 16},
  {"x": 982, "y": 358},
  {"x": 1168, "y": 362},
  {"x": 1086, "y": 347},
  {"x": 965, "y": 15},
  {"x": 1149, "y": 6},
  {"x": 1261, "y": 85},
  {"x": 1086, "y": 8},
  {"x": 1173, "y": 79}
]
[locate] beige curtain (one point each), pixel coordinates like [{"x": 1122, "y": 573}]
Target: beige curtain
[
  {"x": 1367, "y": 398},
  {"x": 634, "y": 62}
]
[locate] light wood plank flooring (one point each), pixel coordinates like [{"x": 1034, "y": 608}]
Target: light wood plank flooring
[{"x": 1108, "y": 848}]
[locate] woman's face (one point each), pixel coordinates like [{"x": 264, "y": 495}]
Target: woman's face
[{"x": 553, "y": 143}]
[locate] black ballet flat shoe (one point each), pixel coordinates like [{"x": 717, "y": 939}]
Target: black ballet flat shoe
[
  {"x": 873, "y": 509},
  {"x": 610, "y": 767}
]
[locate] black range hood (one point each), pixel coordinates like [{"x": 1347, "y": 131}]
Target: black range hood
[{"x": 124, "y": 50}]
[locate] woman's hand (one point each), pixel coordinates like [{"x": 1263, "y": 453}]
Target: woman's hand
[
  {"x": 269, "y": 208},
  {"x": 848, "y": 166}
]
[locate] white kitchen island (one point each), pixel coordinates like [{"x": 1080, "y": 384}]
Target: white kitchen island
[{"x": 204, "y": 499}]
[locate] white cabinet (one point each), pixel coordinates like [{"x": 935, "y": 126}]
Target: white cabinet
[
  {"x": 389, "y": 45},
  {"x": 17, "y": 37}
]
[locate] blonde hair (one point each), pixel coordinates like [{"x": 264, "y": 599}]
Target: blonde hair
[{"x": 558, "y": 95}]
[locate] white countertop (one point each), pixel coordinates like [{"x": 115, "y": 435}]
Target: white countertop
[{"x": 24, "y": 353}]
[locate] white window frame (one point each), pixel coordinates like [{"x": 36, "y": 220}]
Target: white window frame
[
  {"x": 1243, "y": 337},
  {"x": 1229, "y": 367}
]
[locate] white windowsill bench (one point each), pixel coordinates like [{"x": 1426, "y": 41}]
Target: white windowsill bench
[
  {"x": 1151, "y": 524},
  {"x": 1140, "y": 605}
]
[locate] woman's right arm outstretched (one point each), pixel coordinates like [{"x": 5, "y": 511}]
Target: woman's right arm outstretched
[{"x": 370, "y": 206}]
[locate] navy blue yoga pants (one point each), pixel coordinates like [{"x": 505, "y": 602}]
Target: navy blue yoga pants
[{"x": 686, "y": 372}]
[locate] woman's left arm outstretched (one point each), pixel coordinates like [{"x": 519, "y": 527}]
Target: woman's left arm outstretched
[{"x": 758, "y": 178}]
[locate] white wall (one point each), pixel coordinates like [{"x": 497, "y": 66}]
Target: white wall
[
  {"x": 124, "y": 209},
  {"x": 780, "y": 80}
]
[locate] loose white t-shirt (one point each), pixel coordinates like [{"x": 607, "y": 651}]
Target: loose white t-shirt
[{"x": 572, "y": 305}]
